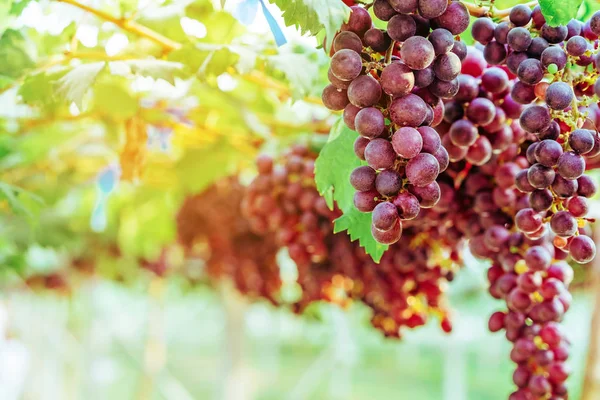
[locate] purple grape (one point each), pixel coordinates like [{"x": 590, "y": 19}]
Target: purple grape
[
  {"x": 481, "y": 111},
  {"x": 527, "y": 220},
  {"x": 523, "y": 93},
  {"x": 359, "y": 22},
  {"x": 501, "y": 32},
  {"x": 554, "y": 55},
  {"x": 554, "y": 34},
  {"x": 333, "y": 98},
  {"x": 574, "y": 28},
  {"x": 520, "y": 15},
  {"x": 447, "y": 66},
  {"x": 514, "y": 59},
  {"x": 441, "y": 155},
  {"x": 432, "y": 8},
  {"x": 349, "y": 116},
  {"x": 360, "y": 144},
  {"x": 380, "y": 154},
  {"x": 564, "y": 188},
  {"x": 530, "y": 71},
  {"x": 401, "y": 27},
  {"x": 377, "y": 39},
  {"x": 570, "y": 165},
  {"x": 595, "y": 23},
  {"x": 482, "y": 30},
  {"x": 409, "y": 110},
  {"x": 422, "y": 170},
  {"x": 404, "y": 6},
  {"x": 559, "y": 96},
  {"x": 541, "y": 200},
  {"x": 578, "y": 206},
  {"x": 417, "y": 52},
  {"x": 428, "y": 195},
  {"x": 369, "y": 122},
  {"x": 479, "y": 152},
  {"x": 408, "y": 206},
  {"x": 576, "y": 46},
  {"x": 383, "y": 10},
  {"x": 453, "y": 111},
  {"x": 338, "y": 83},
  {"x": 581, "y": 141},
  {"x": 468, "y": 88},
  {"x": 519, "y": 39},
  {"x": 563, "y": 224},
  {"x": 363, "y": 178},
  {"x": 463, "y": 133},
  {"x": 366, "y": 201},
  {"x": 547, "y": 152},
  {"x": 494, "y": 53},
  {"x": 397, "y": 79},
  {"x": 424, "y": 77},
  {"x": 535, "y": 119},
  {"x": 444, "y": 89},
  {"x": 586, "y": 187},
  {"x": 347, "y": 40},
  {"x": 346, "y": 64},
  {"x": 456, "y": 18},
  {"x": 364, "y": 91},
  {"x": 385, "y": 216},
  {"x": 431, "y": 139},
  {"x": 582, "y": 249},
  {"x": 460, "y": 49},
  {"x": 537, "y": 47},
  {"x": 407, "y": 142},
  {"x": 442, "y": 41},
  {"x": 388, "y": 237},
  {"x": 494, "y": 80},
  {"x": 540, "y": 177}
]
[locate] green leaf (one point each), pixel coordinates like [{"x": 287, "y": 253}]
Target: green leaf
[
  {"x": 40, "y": 89},
  {"x": 358, "y": 225},
  {"x": 314, "y": 15},
  {"x": 559, "y": 12},
  {"x": 14, "y": 59},
  {"x": 75, "y": 84},
  {"x": 332, "y": 171},
  {"x": 114, "y": 100},
  {"x": 301, "y": 73},
  {"x": 21, "y": 201},
  {"x": 157, "y": 69},
  {"x": 217, "y": 62},
  {"x": 205, "y": 60}
]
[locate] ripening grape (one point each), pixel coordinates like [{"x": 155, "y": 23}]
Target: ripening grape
[
  {"x": 422, "y": 170},
  {"x": 401, "y": 27},
  {"x": 363, "y": 178},
  {"x": 417, "y": 52},
  {"x": 559, "y": 95},
  {"x": 346, "y": 64},
  {"x": 385, "y": 216},
  {"x": 380, "y": 154},
  {"x": 334, "y": 98},
  {"x": 407, "y": 142},
  {"x": 397, "y": 79},
  {"x": 369, "y": 122},
  {"x": 409, "y": 110},
  {"x": 364, "y": 91}
]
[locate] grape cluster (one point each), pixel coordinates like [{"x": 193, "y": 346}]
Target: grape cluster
[
  {"x": 225, "y": 241},
  {"x": 553, "y": 87},
  {"x": 390, "y": 84}
]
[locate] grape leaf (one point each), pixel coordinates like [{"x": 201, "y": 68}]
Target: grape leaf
[
  {"x": 14, "y": 59},
  {"x": 358, "y": 225},
  {"x": 332, "y": 171},
  {"x": 301, "y": 74},
  {"x": 314, "y": 15},
  {"x": 157, "y": 69},
  {"x": 114, "y": 100},
  {"x": 559, "y": 12},
  {"x": 74, "y": 85}
]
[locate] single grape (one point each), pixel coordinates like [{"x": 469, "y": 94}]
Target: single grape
[
  {"x": 377, "y": 39},
  {"x": 574, "y": 28},
  {"x": 359, "y": 21},
  {"x": 468, "y": 88},
  {"x": 432, "y": 8},
  {"x": 383, "y": 10},
  {"x": 595, "y": 23},
  {"x": 514, "y": 59},
  {"x": 363, "y": 178},
  {"x": 463, "y": 133},
  {"x": 385, "y": 216},
  {"x": 456, "y": 18},
  {"x": 538, "y": 17},
  {"x": 501, "y": 32},
  {"x": 428, "y": 195},
  {"x": 564, "y": 188},
  {"x": 460, "y": 49},
  {"x": 520, "y": 15},
  {"x": 559, "y": 96},
  {"x": 333, "y": 98},
  {"x": 338, "y": 83},
  {"x": 570, "y": 165},
  {"x": 496, "y": 322},
  {"x": 527, "y": 220},
  {"x": 408, "y": 205},
  {"x": 541, "y": 200},
  {"x": 388, "y": 237},
  {"x": 369, "y": 122},
  {"x": 563, "y": 224},
  {"x": 494, "y": 80},
  {"x": 586, "y": 186},
  {"x": 349, "y": 115},
  {"x": 443, "y": 158},
  {"x": 407, "y": 142},
  {"x": 360, "y": 144},
  {"x": 424, "y": 77},
  {"x": 494, "y": 53},
  {"x": 519, "y": 39},
  {"x": 447, "y": 66},
  {"x": 523, "y": 93},
  {"x": 401, "y": 27},
  {"x": 582, "y": 249},
  {"x": 409, "y": 110},
  {"x": 431, "y": 139},
  {"x": 417, "y": 52},
  {"x": 422, "y": 170},
  {"x": 530, "y": 71},
  {"x": 554, "y": 55},
  {"x": 380, "y": 154},
  {"x": 366, "y": 201},
  {"x": 540, "y": 177},
  {"x": 481, "y": 111},
  {"x": 581, "y": 141},
  {"x": 442, "y": 41},
  {"x": 537, "y": 47},
  {"x": 347, "y": 40},
  {"x": 474, "y": 64},
  {"x": 578, "y": 206},
  {"x": 554, "y": 34},
  {"x": 483, "y": 30},
  {"x": 547, "y": 152},
  {"x": 479, "y": 152},
  {"x": 397, "y": 79},
  {"x": 535, "y": 119},
  {"x": 346, "y": 64},
  {"x": 576, "y": 46},
  {"x": 364, "y": 91},
  {"x": 404, "y": 6},
  {"x": 453, "y": 111}
]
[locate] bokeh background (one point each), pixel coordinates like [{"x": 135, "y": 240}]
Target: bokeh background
[{"x": 97, "y": 152}]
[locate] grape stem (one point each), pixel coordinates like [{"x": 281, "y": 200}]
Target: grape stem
[
  {"x": 389, "y": 52},
  {"x": 483, "y": 11}
]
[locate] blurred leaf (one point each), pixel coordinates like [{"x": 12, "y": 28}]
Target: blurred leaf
[
  {"x": 314, "y": 15},
  {"x": 333, "y": 167},
  {"x": 18, "y": 6},
  {"x": 217, "y": 62},
  {"x": 114, "y": 100},
  {"x": 221, "y": 28},
  {"x": 301, "y": 73},
  {"x": 75, "y": 84},
  {"x": 157, "y": 69},
  {"x": 40, "y": 89},
  {"x": 14, "y": 60},
  {"x": 559, "y": 12},
  {"x": 21, "y": 201}
]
